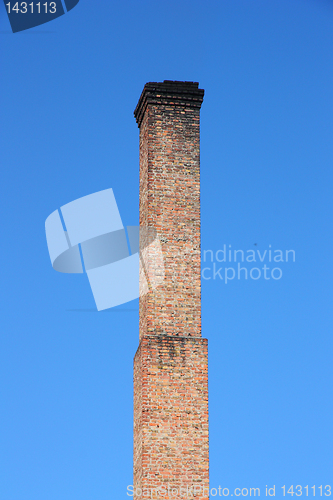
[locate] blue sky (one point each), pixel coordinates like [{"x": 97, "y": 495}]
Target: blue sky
[{"x": 68, "y": 92}]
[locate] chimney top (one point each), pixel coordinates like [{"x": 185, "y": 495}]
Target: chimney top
[{"x": 169, "y": 92}]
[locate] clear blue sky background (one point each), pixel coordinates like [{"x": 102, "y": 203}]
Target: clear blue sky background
[{"x": 68, "y": 91}]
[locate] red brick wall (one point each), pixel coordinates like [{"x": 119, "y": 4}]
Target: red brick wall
[{"x": 170, "y": 366}]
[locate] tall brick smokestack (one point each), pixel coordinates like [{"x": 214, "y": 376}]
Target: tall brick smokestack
[{"x": 171, "y": 363}]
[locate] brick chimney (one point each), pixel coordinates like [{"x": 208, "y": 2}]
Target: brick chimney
[{"x": 171, "y": 363}]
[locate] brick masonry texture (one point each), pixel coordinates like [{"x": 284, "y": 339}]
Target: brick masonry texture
[{"x": 171, "y": 363}]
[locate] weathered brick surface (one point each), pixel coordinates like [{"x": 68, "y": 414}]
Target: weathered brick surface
[
  {"x": 169, "y": 119},
  {"x": 171, "y": 413},
  {"x": 170, "y": 366}
]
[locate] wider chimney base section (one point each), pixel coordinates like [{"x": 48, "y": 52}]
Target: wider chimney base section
[{"x": 171, "y": 418}]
